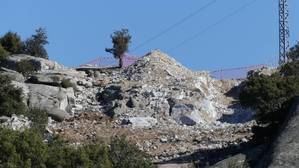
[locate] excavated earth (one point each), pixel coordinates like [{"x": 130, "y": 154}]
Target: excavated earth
[{"x": 166, "y": 109}]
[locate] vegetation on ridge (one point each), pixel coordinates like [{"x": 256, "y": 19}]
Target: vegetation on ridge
[
  {"x": 121, "y": 40},
  {"x": 11, "y": 43},
  {"x": 271, "y": 96}
]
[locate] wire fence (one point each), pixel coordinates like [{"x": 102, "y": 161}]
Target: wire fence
[
  {"x": 235, "y": 73},
  {"x": 111, "y": 62}
]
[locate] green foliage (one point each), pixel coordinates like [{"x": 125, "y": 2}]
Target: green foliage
[
  {"x": 122, "y": 155},
  {"x": 293, "y": 54},
  {"x": 290, "y": 69},
  {"x": 12, "y": 43},
  {"x": 26, "y": 67},
  {"x": 3, "y": 53},
  {"x": 11, "y": 101},
  {"x": 126, "y": 155},
  {"x": 27, "y": 149},
  {"x": 88, "y": 155},
  {"x": 121, "y": 40},
  {"x": 269, "y": 95},
  {"x": 66, "y": 83},
  {"x": 39, "y": 119},
  {"x": 34, "y": 46},
  {"x": 24, "y": 149},
  {"x": 62, "y": 155}
]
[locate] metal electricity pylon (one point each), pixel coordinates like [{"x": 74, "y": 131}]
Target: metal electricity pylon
[{"x": 284, "y": 32}]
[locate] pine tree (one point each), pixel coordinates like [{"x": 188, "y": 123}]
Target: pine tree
[
  {"x": 35, "y": 45},
  {"x": 12, "y": 43},
  {"x": 121, "y": 40}
]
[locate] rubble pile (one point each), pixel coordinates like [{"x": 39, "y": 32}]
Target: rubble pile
[
  {"x": 166, "y": 109},
  {"x": 159, "y": 87}
]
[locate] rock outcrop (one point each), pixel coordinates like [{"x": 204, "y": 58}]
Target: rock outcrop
[
  {"x": 56, "y": 100},
  {"x": 284, "y": 152},
  {"x": 12, "y": 74},
  {"x": 56, "y": 77},
  {"x": 40, "y": 64}
]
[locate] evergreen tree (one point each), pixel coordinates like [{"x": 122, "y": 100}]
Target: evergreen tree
[
  {"x": 35, "y": 45},
  {"x": 12, "y": 43},
  {"x": 121, "y": 40}
]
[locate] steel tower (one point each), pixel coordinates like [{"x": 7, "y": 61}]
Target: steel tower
[{"x": 284, "y": 32}]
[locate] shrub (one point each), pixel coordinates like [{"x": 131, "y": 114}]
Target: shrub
[
  {"x": 39, "y": 119},
  {"x": 3, "y": 53},
  {"x": 88, "y": 155},
  {"x": 66, "y": 83},
  {"x": 26, "y": 67},
  {"x": 34, "y": 46},
  {"x": 11, "y": 101},
  {"x": 66, "y": 156},
  {"x": 12, "y": 43},
  {"x": 290, "y": 69},
  {"x": 25, "y": 149},
  {"x": 293, "y": 54},
  {"x": 126, "y": 155},
  {"x": 269, "y": 95}
]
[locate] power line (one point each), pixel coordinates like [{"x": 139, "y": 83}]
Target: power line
[
  {"x": 174, "y": 25},
  {"x": 223, "y": 19}
]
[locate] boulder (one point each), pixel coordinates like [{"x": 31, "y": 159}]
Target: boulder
[
  {"x": 57, "y": 101},
  {"x": 186, "y": 113},
  {"x": 142, "y": 122},
  {"x": 39, "y": 63},
  {"x": 13, "y": 75},
  {"x": 58, "y": 114},
  {"x": 56, "y": 77}
]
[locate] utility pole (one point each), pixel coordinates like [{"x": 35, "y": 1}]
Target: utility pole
[{"x": 284, "y": 32}]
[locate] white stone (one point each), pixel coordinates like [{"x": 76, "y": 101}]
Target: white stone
[{"x": 142, "y": 122}]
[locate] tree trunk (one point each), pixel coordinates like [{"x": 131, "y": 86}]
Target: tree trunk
[{"x": 120, "y": 63}]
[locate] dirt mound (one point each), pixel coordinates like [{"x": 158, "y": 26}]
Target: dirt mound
[
  {"x": 156, "y": 66},
  {"x": 159, "y": 87},
  {"x": 162, "y": 106}
]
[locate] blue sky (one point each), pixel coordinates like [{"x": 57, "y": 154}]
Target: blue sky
[{"x": 80, "y": 30}]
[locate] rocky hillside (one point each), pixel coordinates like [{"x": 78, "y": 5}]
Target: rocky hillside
[{"x": 168, "y": 110}]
